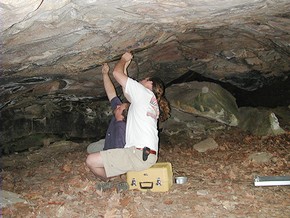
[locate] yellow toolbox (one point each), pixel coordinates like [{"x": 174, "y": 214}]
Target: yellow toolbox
[{"x": 158, "y": 178}]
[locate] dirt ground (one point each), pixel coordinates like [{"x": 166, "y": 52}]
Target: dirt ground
[{"x": 56, "y": 183}]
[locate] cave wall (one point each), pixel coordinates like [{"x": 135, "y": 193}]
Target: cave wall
[{"x": 52, "y": 52}]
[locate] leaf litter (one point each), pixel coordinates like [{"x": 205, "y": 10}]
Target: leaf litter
[{"x": 55, "y": 181}]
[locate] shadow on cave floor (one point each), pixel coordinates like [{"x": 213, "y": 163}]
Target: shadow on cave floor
[{"x": 270, "y": 95}]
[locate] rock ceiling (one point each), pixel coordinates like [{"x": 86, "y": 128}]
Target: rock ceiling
[
  {"x": 52, "y": 51},
  {"x": 243, "y": 42}
]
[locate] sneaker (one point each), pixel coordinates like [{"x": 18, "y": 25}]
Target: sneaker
[
  {"x": 103, "y": 186},
  {"x": 122, "y": 186}
]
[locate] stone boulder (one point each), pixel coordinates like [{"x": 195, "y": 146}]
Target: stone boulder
[
  {"x": 204, "y": 99},
  {"x": 259, "y": 121}
]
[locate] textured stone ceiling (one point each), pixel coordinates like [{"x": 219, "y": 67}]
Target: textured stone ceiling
[
  {"x": 52, "y": 51},
  {"x": 243, "y": 42}
]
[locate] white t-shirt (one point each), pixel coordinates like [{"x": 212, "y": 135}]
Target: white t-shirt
[{"x": 141, "y": 129}]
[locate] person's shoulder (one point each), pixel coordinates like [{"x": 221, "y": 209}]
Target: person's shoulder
[
  {"x": 130, "y": 81},
  {"x": 134, "y": 83},
  {"x": 115, "y": 102}
]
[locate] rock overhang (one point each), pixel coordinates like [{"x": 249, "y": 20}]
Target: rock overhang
[
  {"x": 219, "y": 39},
  {"x": 52, "y": 52}
]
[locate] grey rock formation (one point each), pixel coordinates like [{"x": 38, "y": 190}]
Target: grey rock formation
[
  {"x": 52, "y": 51},
  {"x": 8, "y": 198},
  {"x": 205, "y": 145},
  {"x": 225, "y": 40},
  {"x": 204, "y": 99},
  {"x": 259, "y": 121}
]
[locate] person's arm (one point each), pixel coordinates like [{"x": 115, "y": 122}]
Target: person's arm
[
  {"x": 120, "y": 70},
  {"x": 109, "y": 87},
  {"x": 125, "y": 71}
]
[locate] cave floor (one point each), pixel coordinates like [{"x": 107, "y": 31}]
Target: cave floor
[{"x": 56, "y": 183}]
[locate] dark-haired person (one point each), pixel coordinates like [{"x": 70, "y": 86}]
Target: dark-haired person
[{"x": 116, "y": 132}]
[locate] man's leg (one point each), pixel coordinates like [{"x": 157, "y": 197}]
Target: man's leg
[{"x": 95, "y": 163}]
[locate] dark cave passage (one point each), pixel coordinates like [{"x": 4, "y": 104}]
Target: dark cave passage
[{"x": 272, "y": 95}]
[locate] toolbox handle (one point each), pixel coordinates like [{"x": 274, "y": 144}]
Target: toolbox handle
[{"x": 146, "y": 187}]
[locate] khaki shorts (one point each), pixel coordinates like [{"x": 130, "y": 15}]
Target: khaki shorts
[{"x": 121, "y": 160}]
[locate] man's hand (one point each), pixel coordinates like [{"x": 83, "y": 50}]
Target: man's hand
[
  {"x": 105, "y": 68},
  {"x": 127, "y": 57},
  {"x": 120, "y": 72}
]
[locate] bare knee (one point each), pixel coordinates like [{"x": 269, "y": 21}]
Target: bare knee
[
  {"x": 88, "y": 160},
  {"x": 94, "y": 160}
]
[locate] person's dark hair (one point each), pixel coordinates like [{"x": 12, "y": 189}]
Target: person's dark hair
[
  {"x": 125, "y": 112},
  {"x": 158, "y": 89}
]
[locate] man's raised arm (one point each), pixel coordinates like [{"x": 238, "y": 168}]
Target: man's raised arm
[
  {"x": 109, "y": 86},
  {"x": 120, "y": 72}
]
